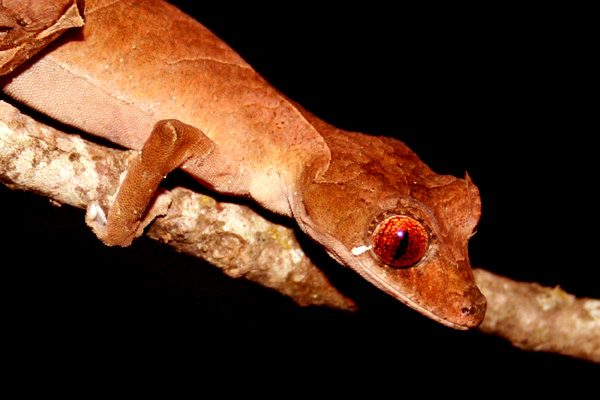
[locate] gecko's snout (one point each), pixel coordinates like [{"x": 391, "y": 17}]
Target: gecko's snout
[{"x": 470, "y": 310}]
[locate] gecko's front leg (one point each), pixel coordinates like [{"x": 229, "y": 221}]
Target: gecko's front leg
[{"x": 170, "y": 144}]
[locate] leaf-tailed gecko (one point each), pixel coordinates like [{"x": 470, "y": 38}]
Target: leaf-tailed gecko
[{"x": 146, "y": 76}]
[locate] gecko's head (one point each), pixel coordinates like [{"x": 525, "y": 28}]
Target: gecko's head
[{"x": 381, "y": 211}]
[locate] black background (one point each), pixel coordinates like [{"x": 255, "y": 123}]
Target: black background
[{"x": 500, "y": 93}]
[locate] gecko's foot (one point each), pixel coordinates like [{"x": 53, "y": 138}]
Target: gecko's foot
[{"x": 120, "y": 235}]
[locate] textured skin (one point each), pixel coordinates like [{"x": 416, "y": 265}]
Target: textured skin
[
  {"x": 139, "y": 62},
  {"x": 375, "y": 176},
  {"x": 27, "y": 26},
  {"x": 115, "y": 84}
]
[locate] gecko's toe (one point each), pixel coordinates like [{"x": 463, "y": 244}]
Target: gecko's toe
[{"x": 95, "y": 218}]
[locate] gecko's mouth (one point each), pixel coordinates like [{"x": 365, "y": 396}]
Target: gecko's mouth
[
  {"x": 461, "y": 307},
  {"x": 469, "y": 315},
  {"x": 465, "y": 312}
]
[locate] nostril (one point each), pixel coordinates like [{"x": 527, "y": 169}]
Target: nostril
[
  {"x": 466, "y": 311},
  {"x": 474, "y": 313}
]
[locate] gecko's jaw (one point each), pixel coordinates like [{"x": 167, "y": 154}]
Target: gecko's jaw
[
  {"x": 460, "y": 311},
  {"x": 446, "y": 295}
]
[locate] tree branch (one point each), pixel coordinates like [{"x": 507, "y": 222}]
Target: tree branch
[
  {"x": 73, "y": 171},
  {"x": 537, "y": 318}
]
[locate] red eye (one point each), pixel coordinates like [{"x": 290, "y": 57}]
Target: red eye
[{"x": 400, "y": 241}]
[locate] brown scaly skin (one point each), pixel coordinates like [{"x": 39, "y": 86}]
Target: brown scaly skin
[{"x": 146, "y": 76}]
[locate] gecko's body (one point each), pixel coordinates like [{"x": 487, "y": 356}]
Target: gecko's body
[
  {"x": 101, "y": 86},
  {"x": 138, "y": 63}
]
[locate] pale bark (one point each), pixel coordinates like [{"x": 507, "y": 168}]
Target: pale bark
[
  {"x": 74, "y": 171},
  {"x": 537, "y": 318}
]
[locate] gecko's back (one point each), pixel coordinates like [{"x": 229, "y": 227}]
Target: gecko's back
[{"x": 137, "y": 62}]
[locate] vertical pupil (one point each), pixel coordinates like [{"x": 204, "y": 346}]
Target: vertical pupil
[
  {"x": 402, "y": 245},
  {"x": 400, "y": 241}
]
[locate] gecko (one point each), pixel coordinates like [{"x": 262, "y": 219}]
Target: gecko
[{"x": 148, "y": 77}]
